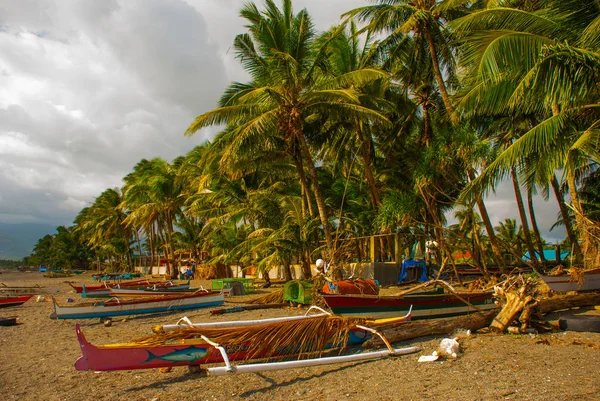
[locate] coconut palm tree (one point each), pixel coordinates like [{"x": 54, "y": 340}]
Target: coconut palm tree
[
  {"x": 426, "y": 22},
  {"x": 541, "y": 61},
  {"x": 102, "y": 225},
  {"x": 151, "y": 196},
  {"x": 511, "y": 238},
  {"x": 289, "y": 86}
]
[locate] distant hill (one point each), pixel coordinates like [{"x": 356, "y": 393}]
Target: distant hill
[{"x": 18, "y": 240}]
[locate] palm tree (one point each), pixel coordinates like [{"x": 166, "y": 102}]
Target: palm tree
[
  {"x": 522, "y": 60},
  {"x": 102, "y": 225},
  {"x": 426, "y": 22},
  {"x": 151, "y": 195},
  {"x": 289, "y": 87},
  {"x": 511, "y": 237}
]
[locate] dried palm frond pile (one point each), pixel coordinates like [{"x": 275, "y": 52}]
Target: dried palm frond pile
[{"x": 316, "y": 334}]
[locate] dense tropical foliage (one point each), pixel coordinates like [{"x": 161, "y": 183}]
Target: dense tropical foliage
[{"x": 407, "y": 111}]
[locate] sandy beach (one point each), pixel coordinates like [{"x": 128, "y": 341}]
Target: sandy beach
[{"x": 37, "y": 357}]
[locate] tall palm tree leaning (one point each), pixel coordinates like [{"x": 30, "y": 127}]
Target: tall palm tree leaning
[{"x": 289, "y": 84}]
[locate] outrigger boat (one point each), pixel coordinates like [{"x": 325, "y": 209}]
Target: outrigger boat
[
  {"x": 424, "y": 305},
  {"x": 151, "y": 291},
  {"x": 104, "y": 285},
  {"x": 586, "y": 281},
  {"x": 14, "y": 301},
  {"x": 187, "y": 344},
  {"x": 6, "y": 290},
  {"x": 116, "y": 307},
  {"x": 146, "y": 290}
]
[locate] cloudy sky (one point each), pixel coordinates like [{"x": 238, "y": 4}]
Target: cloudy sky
[{"x": 90, "y": 87}]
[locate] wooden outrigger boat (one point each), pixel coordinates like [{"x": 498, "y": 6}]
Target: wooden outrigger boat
[
  {"x": 424, "y": 305},
  {"x": 588, "y": 281},
  {"x": 116, "y": 290},
  {"x": 151, "y": 291},
  {"x": 14, "y": 300},
  {"x": 117, "y": 307},
  {"x": 223, "y": 342},
  {"x": 104, "y": 285},
  {"x": 115, "y": 276},
  {"x": 13, "y": 291}
]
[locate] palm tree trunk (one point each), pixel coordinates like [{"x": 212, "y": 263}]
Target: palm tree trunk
[
  {"x": 317, "y": 190},
  {"x": 170, "y": 244},
  {"x": 523, "y": 216},
  {"x": 426, "y": 139},
  {"x": 304, "y": 184},
  {"x": 481, "y": 251},
  {"x": 304, "y": 257},
  {"x": 485, "y": 217},
  {"x": 565, "y": 217},
  {"x": 152, "y": 242},
  {"x": 574, "y": 201},
  {"x": 536, "y": 230},
  {"x": 365, "y": 151},
  {"x": 577, "y": 206},
  {"x": 440, "y": 80},
  {"x": 287, "y": 272}
]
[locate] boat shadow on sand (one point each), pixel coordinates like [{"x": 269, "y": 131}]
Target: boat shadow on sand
[{"x": 272, "y": 384}]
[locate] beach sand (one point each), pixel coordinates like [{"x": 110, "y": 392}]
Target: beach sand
[{"x": 37, "y": 357}]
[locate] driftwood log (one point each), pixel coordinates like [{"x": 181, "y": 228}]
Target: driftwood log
[
  {"x": 566, "y": 301},
  {"x": 476, "y": 321},
  {"x": 432, "y": 327}
]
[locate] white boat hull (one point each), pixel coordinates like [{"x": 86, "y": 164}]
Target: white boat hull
[
  {"x": 565, "y": 283},
  {"x": 133, "y": 308}
]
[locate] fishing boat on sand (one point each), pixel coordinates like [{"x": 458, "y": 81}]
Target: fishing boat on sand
[
  {"x": 104, "y": 285},
  {"x": 427, "y": 305},
  {"x": 116, "y": 290},
  {"x": 584, "y": 281},
  {"x": 14, "y": 300},
  {"x": 6, "y": 290},
  {"x": 190, "y": 344},
  {"x": 151, "y": 291},
  {"x": 116, "y": 307}
]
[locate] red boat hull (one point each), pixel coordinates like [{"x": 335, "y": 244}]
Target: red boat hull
[
  {"x": 135, "y": 283},
  {"x": 14, "y": 301}
]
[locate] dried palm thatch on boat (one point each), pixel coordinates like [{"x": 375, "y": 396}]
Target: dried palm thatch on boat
[{"x": 302, "y": 336}]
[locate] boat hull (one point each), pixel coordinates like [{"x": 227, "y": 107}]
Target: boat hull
[
  {"x": 142, "y": 306},
  {"x": 423, "y": 306},
  {"x": 14, "y": 301},
  {"x": 565, "y": 283},
  {"x": 123, "y": 292},
  {"x": 134, "y": 283}
]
